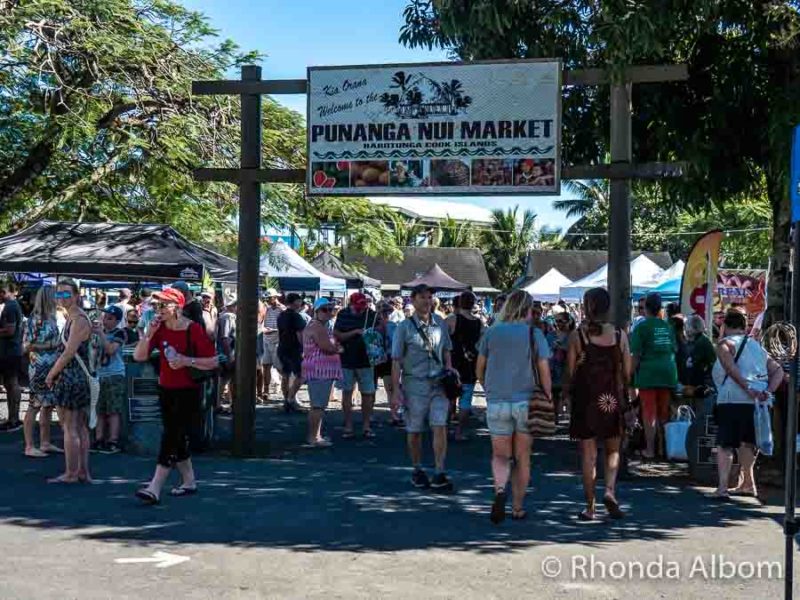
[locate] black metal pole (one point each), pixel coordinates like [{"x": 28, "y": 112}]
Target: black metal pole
[
  {"x": 790, "y": 523},
  {"x": 619, "y": 222},
  {"x": 244, "y": 403}
]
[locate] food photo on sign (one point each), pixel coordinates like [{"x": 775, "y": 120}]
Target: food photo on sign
[{"x": 435, "y": 127}]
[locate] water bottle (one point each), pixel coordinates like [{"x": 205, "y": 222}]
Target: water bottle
[{"x": 169, "y": 352}]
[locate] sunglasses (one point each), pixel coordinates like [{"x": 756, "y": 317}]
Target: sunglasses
[
  {"x": 132, "y": 321},
  {"x": 63, "y": 295},
  {"x": 325, "y": 309},
  {"x": 163, "y": 305}
]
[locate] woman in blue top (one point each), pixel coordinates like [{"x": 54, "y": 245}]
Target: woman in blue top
[
  {"x": 505, "y": 369},
  {"x": 41, "y": 344}
]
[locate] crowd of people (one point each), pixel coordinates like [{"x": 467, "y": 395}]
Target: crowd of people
[{"x": 429, "y": 356}]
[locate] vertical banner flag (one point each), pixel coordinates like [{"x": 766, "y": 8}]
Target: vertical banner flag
[
  {"x": 701, "y": 268},
  {"x": 794, "y": 190}
]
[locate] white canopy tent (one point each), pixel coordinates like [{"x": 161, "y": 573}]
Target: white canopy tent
[
  {"x": 548, "y": 287},
  {"x": 643, "y": 271},
  {"x": 296, "y": 274},
  {"x": 674, "y": 272}
]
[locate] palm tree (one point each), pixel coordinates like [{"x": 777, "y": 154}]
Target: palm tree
[
  {"x": 453, "y": 234},
  {"x": 506, "y": 244},
  {"x": 407, "y": 232},
  {"x": 590, "y": 202},
  {"x": 550, "y": 238}
]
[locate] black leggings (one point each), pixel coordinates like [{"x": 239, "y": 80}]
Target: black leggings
[{"x": 179, "y": 409}]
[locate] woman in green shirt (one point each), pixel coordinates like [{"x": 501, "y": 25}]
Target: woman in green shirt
[{"x": 653, "y": 350}]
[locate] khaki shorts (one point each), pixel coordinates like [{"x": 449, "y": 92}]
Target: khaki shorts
[{"x": 425, "y": 401}]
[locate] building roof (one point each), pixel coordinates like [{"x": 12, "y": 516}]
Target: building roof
[
  {"x": 433, "y": 210},
  {"x": 576, "y": 264},
  {"x": 333, "y": 266},
  {"x": 437, "y": 279},
  {"x": 463, "y": 264}
]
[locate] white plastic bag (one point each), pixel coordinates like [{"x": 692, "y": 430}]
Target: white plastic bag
[
  {"x": 763, "y": 425},
  {"x": 675, "y": 433}
]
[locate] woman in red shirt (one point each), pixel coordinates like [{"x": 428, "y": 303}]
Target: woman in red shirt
[{"x": 182, "y": 345}]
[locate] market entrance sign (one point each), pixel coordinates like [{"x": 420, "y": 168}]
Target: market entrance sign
[{"x": 435, "y": 128}]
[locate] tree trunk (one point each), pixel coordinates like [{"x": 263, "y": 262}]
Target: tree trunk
[{"x": 779, "y": 276}]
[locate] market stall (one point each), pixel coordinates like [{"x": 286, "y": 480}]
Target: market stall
[
  {"x": 548, "y": 287},
  {"x": 436, "y": 278},
  {"x": 295, "y": 274},
  {"x": 643, "y": 270}
]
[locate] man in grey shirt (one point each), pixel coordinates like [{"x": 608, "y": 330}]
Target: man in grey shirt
[{"x": 420, "y": 353}]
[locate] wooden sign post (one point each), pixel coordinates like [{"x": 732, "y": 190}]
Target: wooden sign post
[{"x": 250, "y": 175}]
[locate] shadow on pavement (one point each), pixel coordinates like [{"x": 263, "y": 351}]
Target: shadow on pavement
[{"x": 355, "y": 496}]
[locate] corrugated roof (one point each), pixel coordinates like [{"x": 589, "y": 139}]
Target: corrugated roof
[
  {"x": 576, "y": 264},
  {"x": 463, "y": 264}
]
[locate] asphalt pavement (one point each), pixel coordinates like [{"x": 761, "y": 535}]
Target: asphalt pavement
[{"x": 345, "y": 523}]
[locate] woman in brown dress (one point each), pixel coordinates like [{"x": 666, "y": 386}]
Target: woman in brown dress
[{"x": 598, "y": 371}]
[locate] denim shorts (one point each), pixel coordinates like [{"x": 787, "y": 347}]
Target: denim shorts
[
  {"x": 319, "y": 392},
  {"x": 424, "y": 401},
  {"x": 507, "y": 418},
  {"x": 465, "y": 401},
  {"x": 364, "y": 377}
]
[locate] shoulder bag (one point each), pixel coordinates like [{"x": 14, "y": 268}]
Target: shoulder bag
[
  {"x": 541, "y": 410},
  {"x": 94, "y": 383},
  {"x": 373, "y": 341},
  {"x": 450, "y": 380}
]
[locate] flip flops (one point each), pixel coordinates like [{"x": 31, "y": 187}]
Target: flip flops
[
  {"x": 614, "y": 511},
  {"x": 147, "y": 497},
  {"x": 519, "y": 514},
  {"x": 498, "y": 514},
  {"x": 183, "y": 490}
]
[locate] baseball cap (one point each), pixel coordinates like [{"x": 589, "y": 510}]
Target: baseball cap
[
  {"x": 272, "y": 293},
  {"x": 321, "y": 303},
  {"x": 359, "y": 299},
  {"x": 181, "y": 286},
  {"x": 116, "y": 311},
  {"x": 170, "y": 295},
  {"x": 207, "y": 293}
]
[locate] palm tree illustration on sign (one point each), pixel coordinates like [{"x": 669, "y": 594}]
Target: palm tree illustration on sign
[{"x": 411, "y": 102}]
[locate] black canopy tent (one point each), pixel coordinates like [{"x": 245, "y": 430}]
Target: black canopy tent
[
  {"x": 335, "y": 267},
  {"x": 111, "y": 251}
]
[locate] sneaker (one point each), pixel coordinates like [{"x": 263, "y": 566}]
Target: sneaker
[
  {"x": 419, "y": 479},
  {"x": 441, "y": 483},
  {"x": 111, "y": 448},
  {"x": 9, "y": 427},
  {"x": 97, "y": 446}
]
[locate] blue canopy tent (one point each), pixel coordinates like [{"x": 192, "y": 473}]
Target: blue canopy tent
[{"x": 670, "y": 290}]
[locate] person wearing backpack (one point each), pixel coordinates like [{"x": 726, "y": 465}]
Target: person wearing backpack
[{"x": 743, "y": 374}]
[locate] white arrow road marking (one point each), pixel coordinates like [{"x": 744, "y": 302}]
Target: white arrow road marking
[{"x": 163, "y": 560}]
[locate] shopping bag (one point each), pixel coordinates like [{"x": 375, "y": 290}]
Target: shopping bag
[
  {"x": 763, "y": 425},
  {"x": 675, "y": 433}
]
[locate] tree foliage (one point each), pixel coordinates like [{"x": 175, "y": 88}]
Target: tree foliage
[
  {"x": 97, "y": 123},
  {"x": 506, "y": 243},
  {"x": 731, "y": 120}
]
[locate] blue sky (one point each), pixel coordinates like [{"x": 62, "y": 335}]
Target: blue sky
[{"x": 295, "y": 34}]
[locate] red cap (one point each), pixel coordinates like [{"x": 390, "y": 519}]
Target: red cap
[
  {"x": 359, "y": 300},
  {"x": 171, "y": 295}
]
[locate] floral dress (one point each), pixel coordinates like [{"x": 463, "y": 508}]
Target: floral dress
[
  {"x": 43, "y": 332},
  {"x": 72, "y": 386},
  {"x": 598, "y": 391}
]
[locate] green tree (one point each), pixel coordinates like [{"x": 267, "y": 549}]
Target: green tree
[
  {"x": 731, "y": 120},
  {"x": 405, "y": 231},
  {"x": 454, "y": 234},
  {"x": 97, "y": 123},
  {"x": 506, "y": 243}
]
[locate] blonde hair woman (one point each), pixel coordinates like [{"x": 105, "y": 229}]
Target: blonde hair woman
[
  {"x": 41, "y": 344},
  {"x": 509, "y": 371}
]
